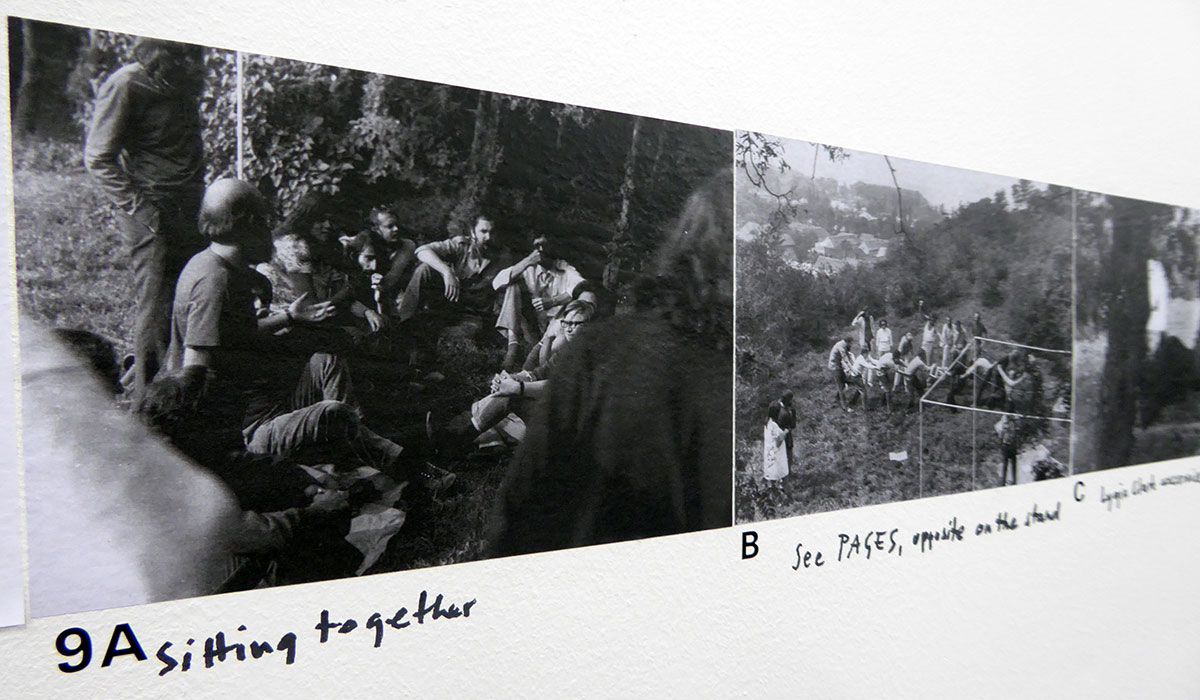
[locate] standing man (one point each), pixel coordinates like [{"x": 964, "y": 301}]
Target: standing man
[
  {"x": 863, "y": 323},
  {"x": 978, "y": 330},
  {"x": 787, "y": 421},
  {"x": 144, "y": 148},
  {"x": 839, "y": 358},
  {"x": 535, "y": 290},
  {"x": 883, "y": 338}
]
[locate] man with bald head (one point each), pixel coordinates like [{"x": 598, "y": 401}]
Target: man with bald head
[{"x": 296, "y": 407}]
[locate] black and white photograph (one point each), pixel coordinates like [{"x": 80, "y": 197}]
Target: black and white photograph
[
  {"x": 903, "y": 329},
  {"x": 284, "y": 322},
  {"x": 1136, "y": 327}
]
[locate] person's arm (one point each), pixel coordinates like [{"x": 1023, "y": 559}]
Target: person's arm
[
  {"x": 517, "y": 388},
  {"x": 431, "y": 255},
  {"x": 270, "y": 532},
  {"x": 299, "y": 311},
  {"x": 512, "y": 274},
  {"x": 105, "y": 141},
  {"x": 374, "y": 319},
  {"x": 571, "y": 278}
]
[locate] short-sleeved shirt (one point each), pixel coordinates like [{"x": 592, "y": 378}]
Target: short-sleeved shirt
[
  {"x": 883, "y": 340},
  {"x": 463, "y": 258},
  {"x": 214, "y": 311},
  {"x": 554, "y": 281},
  {"x": 837, "y": 356}
]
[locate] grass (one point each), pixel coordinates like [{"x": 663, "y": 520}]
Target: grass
[
  {"x": 72, "y": 272},
  {"x": 842, "y": 458}
]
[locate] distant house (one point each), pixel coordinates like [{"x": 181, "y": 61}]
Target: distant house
[{"x": 835, "y": 252}]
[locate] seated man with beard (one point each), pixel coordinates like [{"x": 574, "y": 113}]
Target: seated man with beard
[{"x": 454, "y": 277}]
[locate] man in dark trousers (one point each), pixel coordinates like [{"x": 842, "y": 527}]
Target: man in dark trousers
[
  {"x": 787, "y": 421},
  {"x": 145, "y": 150}
]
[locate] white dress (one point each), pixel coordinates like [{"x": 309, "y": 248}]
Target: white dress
[{"x": 774, "y": 453}]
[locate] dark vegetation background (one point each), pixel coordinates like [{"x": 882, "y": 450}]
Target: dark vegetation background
[
  {"x": 1007, "y": 256},
  {"x": 1133, "y": 405},
  {"x": 605, "y": 184}
]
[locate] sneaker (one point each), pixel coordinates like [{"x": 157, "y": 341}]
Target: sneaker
[{"x": 433, "y": 478}]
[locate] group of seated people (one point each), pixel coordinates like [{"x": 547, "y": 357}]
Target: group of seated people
[
  {"x": 265, "y": 325},
  {"x": 888, "y": 366}
]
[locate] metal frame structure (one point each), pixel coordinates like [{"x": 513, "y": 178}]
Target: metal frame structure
[{"x": 975, "y": 410}]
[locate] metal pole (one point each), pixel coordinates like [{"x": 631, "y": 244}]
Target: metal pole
[
  {"x": 238, "y": 64},
  {"x": 974, "y": 399},
  {"x": 921, "y": 449},
  {"x": 1074, "y": 320}
]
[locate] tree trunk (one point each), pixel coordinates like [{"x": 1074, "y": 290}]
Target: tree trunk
[
  {"x": 620, "y": 240},
  {"x": 1133, "y": 224},
  {"x": 31, "y": 78},
  {"x": 482, "y": 161}
]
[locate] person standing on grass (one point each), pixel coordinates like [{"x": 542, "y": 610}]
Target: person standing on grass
[
  {"x": 929, "y": 339},
  {"x": 144, "y": 149},
  {"x": 946, "y": 340},
  {"x": 775, "y": 463},
  {"x": 883, "y": 339},
  {"x": 1006, "y": 428},
  {"x": 787, "y": 421},
  {"x": 863, "y": 323},
  {"x": 839, "y": 359},
  {"x": 978, "y": 330}
]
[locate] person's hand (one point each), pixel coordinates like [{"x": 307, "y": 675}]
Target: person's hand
[
  {"x": 327, "y": 502},
  {"x": 532, "y": 259},
  {"x": 508, "y": 386},
  {"x": 301, "y": 310},
  {"x": 451, "y": 282},
  {"x": 376, "y": 321},
  {"x": 146, "y": 213},
  {"x": 539, "y": 304}
]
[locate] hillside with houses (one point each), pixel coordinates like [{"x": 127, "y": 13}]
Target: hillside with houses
[{"x": 826, "y": 227}]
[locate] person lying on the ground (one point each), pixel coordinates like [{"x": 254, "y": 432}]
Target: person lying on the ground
[
  {"x": 593, "y": 293},
  {"x": 534, "y": 290},
  {"x": 292, "y": 406},
  {"x": 632, "y": 437},
  {"x": 516, "y": 394},
  {"x": 983, "y": 366}
]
